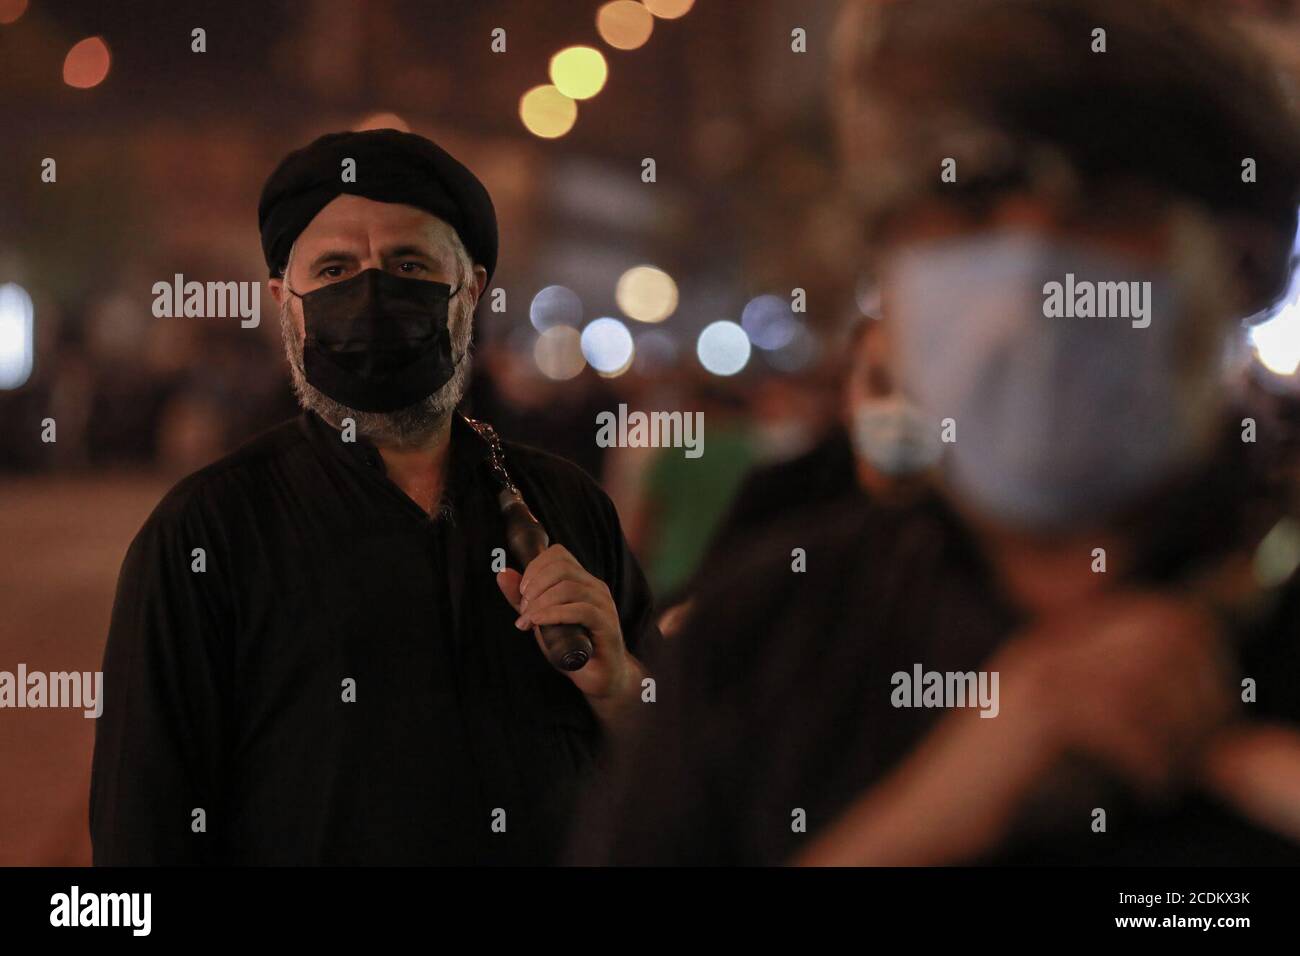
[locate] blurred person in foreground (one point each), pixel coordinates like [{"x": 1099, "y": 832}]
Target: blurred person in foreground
[
  {"x": 316, "y": 653},
  {"x": 1064, "y": 657}
]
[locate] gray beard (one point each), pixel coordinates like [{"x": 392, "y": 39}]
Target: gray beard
[{"x": 407, "y": 427}]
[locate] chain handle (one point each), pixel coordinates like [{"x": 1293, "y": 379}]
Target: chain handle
[
  {"x": 567, "y": 646},
  {"x": 496, "y": 457}
]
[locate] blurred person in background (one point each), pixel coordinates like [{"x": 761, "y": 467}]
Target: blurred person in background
[
  {"x": 879, "y": 447},
  {"x": 1099, "y": 562},
  {"x": 315, "y": 656}
]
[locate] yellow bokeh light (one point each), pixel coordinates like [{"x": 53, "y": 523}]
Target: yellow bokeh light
[
  {"x": 547, "y": 112},
  {"x": 86, "y": 64},
  {"x": 646, "y": 294},
  {"x": 669, "y": 9},
  {"x": 624, "y": 24},
  {"x": 579, "y": 72},
  {"x": 558, "y": 353}
]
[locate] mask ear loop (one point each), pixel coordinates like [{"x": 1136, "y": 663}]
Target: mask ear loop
[{"x": 451, "y": 295}]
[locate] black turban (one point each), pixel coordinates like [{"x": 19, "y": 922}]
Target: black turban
[{"x": 391, "y": 166}]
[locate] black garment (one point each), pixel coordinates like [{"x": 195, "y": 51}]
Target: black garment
[
  {"x": 776, "y": 696},
  {"x": 771, "y": 493},
  {"x": 390, "y": 166},
  {"x": 224, "y": 689}
]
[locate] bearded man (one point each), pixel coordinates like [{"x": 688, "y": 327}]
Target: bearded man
[{"x": 315, "y": 654}]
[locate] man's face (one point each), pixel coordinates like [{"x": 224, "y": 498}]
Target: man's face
[
  {"x": 352, "y": 234},
  {"x": 1059, "y": 416}
]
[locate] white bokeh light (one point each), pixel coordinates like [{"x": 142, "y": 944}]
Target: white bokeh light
[
  {"x": 1277, "y": 341},
  {"x": 555, "y": 305},
  {"x": 723, "y": 348},
  {"x": 769, "y": 322},
  {"x": 607, "y": 345},
  {"x": 16, "y": 346}
]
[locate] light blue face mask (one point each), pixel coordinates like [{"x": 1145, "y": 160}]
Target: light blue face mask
[
  {"x": 1060, "y": 421},
  {"x": 894, "y": 437}
]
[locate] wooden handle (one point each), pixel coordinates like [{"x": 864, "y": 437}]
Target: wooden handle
[{"x": 568, "y": 646}]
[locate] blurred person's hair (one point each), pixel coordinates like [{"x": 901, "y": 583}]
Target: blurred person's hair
[{"x": 1012, "y": 90}]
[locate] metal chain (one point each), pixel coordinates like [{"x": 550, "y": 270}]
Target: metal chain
[{"x": 496, "y": 458}]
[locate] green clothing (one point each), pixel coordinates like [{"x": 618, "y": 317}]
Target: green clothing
[{"x": 687, "y": 498}]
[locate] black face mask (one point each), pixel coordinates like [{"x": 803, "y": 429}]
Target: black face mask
[{"x": 377, "y": 342}]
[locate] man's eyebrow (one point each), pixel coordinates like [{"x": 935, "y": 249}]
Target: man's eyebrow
[
  {"x": 333, "y": 255},
  {"x": 410, "y": 252}
]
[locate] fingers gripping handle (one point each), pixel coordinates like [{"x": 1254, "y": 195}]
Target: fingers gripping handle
[{"x": 568, "y": 646}]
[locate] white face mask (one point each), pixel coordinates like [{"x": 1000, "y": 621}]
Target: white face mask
[
  {"x": 893, "y": 436},
  {"x": 1059, "y": 421}
]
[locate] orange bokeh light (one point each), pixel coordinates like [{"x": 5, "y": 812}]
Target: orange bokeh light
[
  {"x": 11, "y": 10},
  {"x": 382, "y": 121},
  {"x": 624, "y": 24},
  {"x": 86, "y": 64}
]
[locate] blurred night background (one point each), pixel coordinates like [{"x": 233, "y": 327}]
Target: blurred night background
[{"x": 614, "y": 286}]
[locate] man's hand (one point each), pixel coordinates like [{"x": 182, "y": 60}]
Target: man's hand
[
  {"x": 556, "y": 589},
  {"x": 1133, "y": 682},
  {"x": 1255, "y": 767}
]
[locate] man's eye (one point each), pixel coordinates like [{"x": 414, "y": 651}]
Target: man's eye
[
  {"x": 331, "y": 272},
  {"x": 411, "y": 266}
]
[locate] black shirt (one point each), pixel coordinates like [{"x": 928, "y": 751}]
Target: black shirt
[
  {"x": 225, "y": 689},
  {"x": 826, "y": 472},
  {"x": 776, "y": 697}
]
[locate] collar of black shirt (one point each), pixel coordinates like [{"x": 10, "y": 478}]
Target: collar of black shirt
[{"x": 466, "y": 463}]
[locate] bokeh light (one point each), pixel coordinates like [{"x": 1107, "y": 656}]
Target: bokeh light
[
  {"x": 579, "y": 72},
  {"x": 797, "y": 354},
  {"x": 555, "y": 305},
  {"x": 1277, "y": 341},
  {"x": 382, "y": 121},
  {"x": 867, "y": 295},
  {"x": 669, "y": 9},
  {"x": 86, "y": 64},
  {"x": 11, "y": 10},
  {"x": 723, "y": 348},
  {"x": 624, "y": 24},
  {"x": 769, "y": 322},
  {"x": 607, "y": 346},
  {"x": 547, "y": 112},
  {"x": 656, "y": 351},
  {"x": 646, "y": 293},
  {"x": 16, "y": 348},
  {"x": 558, "y": 353}
]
